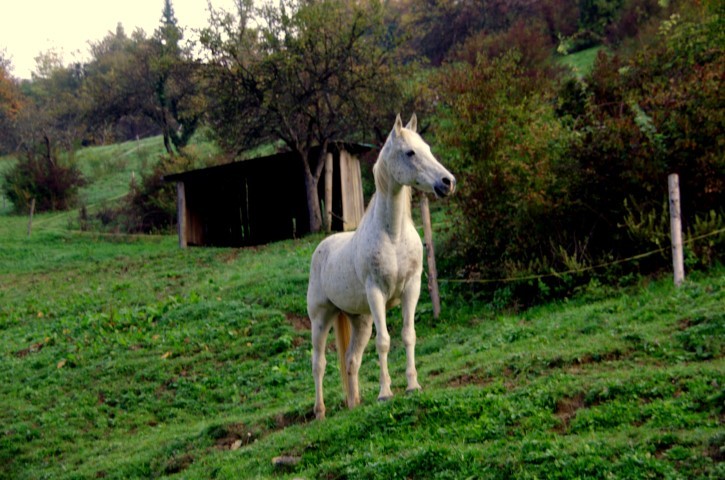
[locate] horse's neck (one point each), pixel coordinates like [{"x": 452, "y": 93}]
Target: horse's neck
[{"x": 392, "y": 208}]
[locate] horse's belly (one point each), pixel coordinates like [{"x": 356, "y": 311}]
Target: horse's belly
[
  {"x": 345, "y": 291},
  {"x": 339, "y": 278}
]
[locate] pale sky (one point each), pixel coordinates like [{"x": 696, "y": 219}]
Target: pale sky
[{"x": 29, "y": 27}]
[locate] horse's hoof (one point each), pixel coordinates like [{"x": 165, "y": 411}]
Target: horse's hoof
[
  {"x": 385, "y": 398},
  {"x": 414, "y": 390}
]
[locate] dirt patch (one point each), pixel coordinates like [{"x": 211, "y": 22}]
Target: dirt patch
[
  {"x": 612, "y": 356},
  {"x": 229, "y": 256},
  {"x": 716, "y": 448},
  {"x": 469, "y": 379},
  {"x": 232, "y": 436},
  {"x": 34, "y": 348},
  {"x": 684, "y": 323},
  {"x": 178, "y": 464},
  {"x": 299, "y": 322},
  {"x": 566, "y": 409},
  {"x": 288, "y": 419}
]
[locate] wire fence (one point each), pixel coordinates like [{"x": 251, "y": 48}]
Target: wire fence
[{"x": 577, "y": 270}]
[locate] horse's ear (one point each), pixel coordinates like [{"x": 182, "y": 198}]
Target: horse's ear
[
  {"x": 398, "y": 125},
  {"x": 413, "y": 123}
]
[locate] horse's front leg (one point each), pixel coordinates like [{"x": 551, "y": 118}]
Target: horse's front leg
[
  {"x": 409, "y": 301},
  {"x": 376, "y": 301},
  {"x": 362, "y": 327}
]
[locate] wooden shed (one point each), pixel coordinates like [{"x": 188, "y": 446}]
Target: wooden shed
[{"x": 261, "y": 200}]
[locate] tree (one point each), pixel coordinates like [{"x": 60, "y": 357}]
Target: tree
[
  {"x": 114, "y": 108},
  {"x": 152, "y": 77},
  {"x": 313, "y": 73},
  {"x": 11, "y": 102},
  {"x": 172, "y": 82}
]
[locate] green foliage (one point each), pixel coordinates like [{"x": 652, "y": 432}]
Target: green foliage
[
  {"x": 584, "y": 183},
  {"x": 642, "y": 120},
  {"x": 508, "y": 154}
]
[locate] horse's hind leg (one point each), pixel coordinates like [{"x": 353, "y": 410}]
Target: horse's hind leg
[
  {"x": 321, "y": 319},
  {"x": 362, "y": 328}
]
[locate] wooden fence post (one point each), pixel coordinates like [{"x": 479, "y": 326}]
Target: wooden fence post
[
  {"x": 432, "y": 271},
  {"x": 673, "y": 182},
  {"x": 181, "y": 223},
  {"x": 30, "y": 220},
  {"x": 328, "y": 193}
]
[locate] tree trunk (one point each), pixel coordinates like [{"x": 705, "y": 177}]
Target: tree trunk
[
  {"x": 167, "y": 134},
  {"x": 311, "y": 181},
  {"x": 167, "y": 143},
  {"x": 313, "y": 202}
]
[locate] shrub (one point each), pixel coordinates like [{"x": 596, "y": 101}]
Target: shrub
[
  {"x": 641, "y": 120},
  {"x": 507, "y": 148},
  {"x": 52, "y": 181},
  {"x": 570, "y": 184}
]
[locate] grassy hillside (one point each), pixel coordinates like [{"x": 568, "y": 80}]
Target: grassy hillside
[
  {"x": 125, "y": 357},
  {"x": 581, "y": 63},
  {"x": 110, "y": 168}
]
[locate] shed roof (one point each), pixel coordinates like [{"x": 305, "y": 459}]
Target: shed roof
[{"x": 254, "y": 163}]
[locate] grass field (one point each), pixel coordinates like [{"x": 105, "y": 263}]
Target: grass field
[
  {"x": 126, "y": 357},
  {"x": 582, "y": 62}
]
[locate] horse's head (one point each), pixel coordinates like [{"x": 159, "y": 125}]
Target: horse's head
[{"x": 408, "y": 159}]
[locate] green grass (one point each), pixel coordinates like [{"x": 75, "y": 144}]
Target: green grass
[
  {"x": 126, "y": 357},
  {"x": 111, "y": 167},
  {"x": 582, "y": 62}
]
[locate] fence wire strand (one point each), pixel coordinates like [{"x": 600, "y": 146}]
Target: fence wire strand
[{"x": 576, "y": 270}]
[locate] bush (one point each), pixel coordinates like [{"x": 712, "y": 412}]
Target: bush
[
  {"x": 641, "y": 120},
  {"x": 570, "y": 184},
  {"x": 507, "y": 149},
  {"x": 50, "y": 180}
]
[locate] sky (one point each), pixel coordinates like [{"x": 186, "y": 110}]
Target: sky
[{"x": 29, "y": 27}]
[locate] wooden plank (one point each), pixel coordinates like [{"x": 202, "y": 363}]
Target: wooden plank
[
  {"x": 344, "y": 188},
  {"x": 358, "y": 190},
  {"x": 673, "y": 182},
  {"x": 181, "y": 214},
  {"x": 432, "y": 271},
  {"x": 353, "y": 205}
]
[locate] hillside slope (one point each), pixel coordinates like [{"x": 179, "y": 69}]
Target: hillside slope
[{"x": 125, "y": 357}]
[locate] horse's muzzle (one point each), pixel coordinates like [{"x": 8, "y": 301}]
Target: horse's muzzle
[{"x": 445, "y": 187}]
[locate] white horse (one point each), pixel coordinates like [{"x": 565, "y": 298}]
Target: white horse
[{"x": 355, "y": 277}]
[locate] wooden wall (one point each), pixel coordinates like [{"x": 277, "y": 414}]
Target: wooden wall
[{"x": 261, "y": 200}]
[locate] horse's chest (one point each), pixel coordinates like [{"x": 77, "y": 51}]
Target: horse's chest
[{"x": 391, "y": 265}]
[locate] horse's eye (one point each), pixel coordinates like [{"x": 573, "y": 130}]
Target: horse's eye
[{"x": 410, "y": 153}]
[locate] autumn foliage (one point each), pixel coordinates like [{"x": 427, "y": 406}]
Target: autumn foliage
[{"x": 563, "y": 175}]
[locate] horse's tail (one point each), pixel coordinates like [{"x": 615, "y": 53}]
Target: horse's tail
[{"x": 342, "y": 341}]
